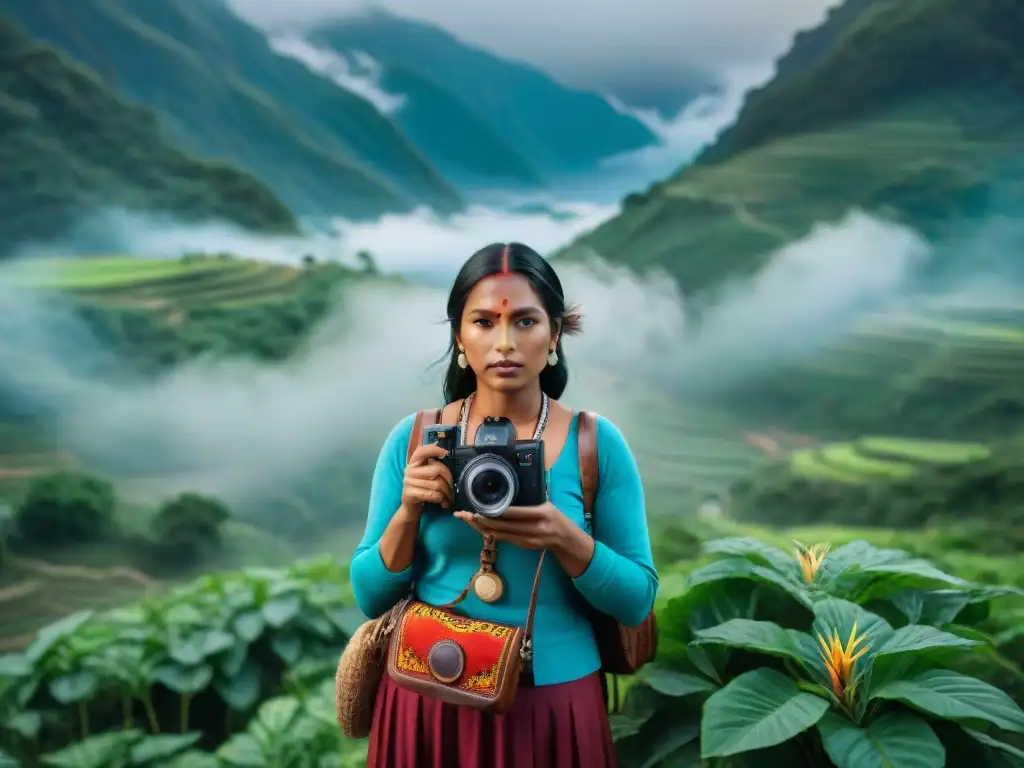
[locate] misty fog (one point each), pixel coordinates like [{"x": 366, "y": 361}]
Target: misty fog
[{"x": 239, "y": 429}]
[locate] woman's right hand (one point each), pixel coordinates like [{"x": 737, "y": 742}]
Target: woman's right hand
[{"x": 427, "y": 481}]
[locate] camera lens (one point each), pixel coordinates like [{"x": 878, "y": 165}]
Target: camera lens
[{"x": 490, "y": 484}]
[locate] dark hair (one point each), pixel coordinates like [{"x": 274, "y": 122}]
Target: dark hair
[{"x": 494, "y": 259}]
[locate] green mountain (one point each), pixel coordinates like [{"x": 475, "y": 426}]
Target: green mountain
[
  {"x": 221, "y": 91},
  {"x": 534, "y": 126},
  {"x": 912, "y": 112},
  {"x": 70, "y": 145}
]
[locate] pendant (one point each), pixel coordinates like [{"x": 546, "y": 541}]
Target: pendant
[{"x": 488, "y": 586}]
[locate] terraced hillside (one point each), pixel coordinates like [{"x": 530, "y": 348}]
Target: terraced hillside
[
  {"x": 870, "y": 459},
  {"x": 127, "y": 281},
  {"x": 946, "y": 367},
  {"x": 687, "y": 453},
  {"x": 896, "y": 139}
]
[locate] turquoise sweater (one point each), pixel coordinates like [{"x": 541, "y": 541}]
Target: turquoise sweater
[{"x": 620, "y": 579}]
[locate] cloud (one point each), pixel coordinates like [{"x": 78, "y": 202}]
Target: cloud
[
  {"x": 695, "y": 126},
  {"x": 601, "y": 45},
  {"x": 243, "y": 429},
  {"x": 361, "y": 75}
]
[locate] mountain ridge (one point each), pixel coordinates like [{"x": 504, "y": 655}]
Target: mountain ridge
[
  {"x": 72, "y": 146},
  {"x": 554, "y": 128},
  {"x": 910, "y": 114},
  {"x": 222, "y": 92}
]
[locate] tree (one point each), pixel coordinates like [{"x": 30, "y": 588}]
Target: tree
[
  {"x": 189, "y": 525},
  {"x": 66, "y": 508},
  {"x": 367, "y": 263}
]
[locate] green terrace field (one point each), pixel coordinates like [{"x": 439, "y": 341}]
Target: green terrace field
[
  {"x": 947, "y": 339},
  {"x": 915, "y": 163},
  {"x": 131, "y": 282},
  {"x": 886, "y": 458}
]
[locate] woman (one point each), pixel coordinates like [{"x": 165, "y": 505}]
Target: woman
[{"x": 508, "y": 317}]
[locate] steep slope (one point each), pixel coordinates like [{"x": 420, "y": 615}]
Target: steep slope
[
  {"x": 914, "y": 113},
  {"x": 223, "y": 92},
  {"x": 552, "y": 129},
  {"x": 70, "y": 145}
]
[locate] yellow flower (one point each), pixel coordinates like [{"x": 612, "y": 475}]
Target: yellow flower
[
  {"x": 810, "y": 559},
  {"x": 839, "y": 661}
]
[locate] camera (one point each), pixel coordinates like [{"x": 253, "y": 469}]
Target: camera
[{"x": 494, "y": 473}]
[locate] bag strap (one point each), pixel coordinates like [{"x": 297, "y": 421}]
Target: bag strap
[
  {"x": 425, "y": 418},
  {"x": 430, "y": 417},
  {"x": 590, "y": 471}
]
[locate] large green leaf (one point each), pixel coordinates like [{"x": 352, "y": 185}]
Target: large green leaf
[
  {"x": 676, "y": 684},
  {"x": 742, "y": 568},
  {"x": 885, "y": 579},
  {"x": 760, "y": 636},
  {"x": 953, "y": 696},
  {"x": 907, "y": 645},
  {"x": 933, "y": 607},
  {"x": 758, "y": 709},
  {"x": 896, "y": 740},
  {"x": 917, "y": 639},
  {"x": 1011, "y": 753},
  {"x": 51, "y": 635},
  {"x": 755, "y": 550}
]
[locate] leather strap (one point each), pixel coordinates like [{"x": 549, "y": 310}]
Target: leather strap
[
  {"x": 590, "y": 471},
  {"x": 425, "y": 418}
]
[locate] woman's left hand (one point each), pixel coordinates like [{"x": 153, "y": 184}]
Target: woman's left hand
[{"x": 540, "y": 527}]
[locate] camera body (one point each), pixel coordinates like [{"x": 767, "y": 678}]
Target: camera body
[{"x": 496, "y": 472}]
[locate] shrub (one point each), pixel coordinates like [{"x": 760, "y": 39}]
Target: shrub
[
  {"x": 844, "y": 659},
  {"x": 108, "y": 690},
  {"x": 64, "y": 508},
  {"x": 189, "y": 525}
]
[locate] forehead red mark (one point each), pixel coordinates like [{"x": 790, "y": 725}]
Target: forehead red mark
[{"x": 504, "y": 302}]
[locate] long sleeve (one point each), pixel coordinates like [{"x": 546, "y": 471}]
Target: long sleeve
[
  {"x": 620, "y": 580},
  {"x": 377, "y": 589}
]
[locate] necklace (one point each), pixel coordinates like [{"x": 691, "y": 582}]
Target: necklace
[
  {"x": 467, "y": 404},
  {"x": 487, "y": 584}
]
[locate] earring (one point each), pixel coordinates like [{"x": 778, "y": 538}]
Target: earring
[
  {"x": 462, "y": 361},
  {"x": 552, "y": 358}
]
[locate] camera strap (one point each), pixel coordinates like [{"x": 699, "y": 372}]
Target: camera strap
[{"x": 431, "y": 417}]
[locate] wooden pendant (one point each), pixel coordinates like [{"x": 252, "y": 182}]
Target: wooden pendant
[{"x": 488, "y": 586}]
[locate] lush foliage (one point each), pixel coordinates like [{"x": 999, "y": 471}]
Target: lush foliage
[
  {"x": 65, "y": 507},
  {"x": 849, "y": 658},
  {"x": 72, "y": 145},
  {"x": 189, "y": 525},
  {"x": 144, "y": 684}
]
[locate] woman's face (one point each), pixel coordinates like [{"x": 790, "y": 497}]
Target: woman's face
[{"x": 505, "y": 333}]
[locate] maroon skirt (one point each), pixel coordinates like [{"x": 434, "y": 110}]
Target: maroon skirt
[{"x": 549, "y": 726}]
